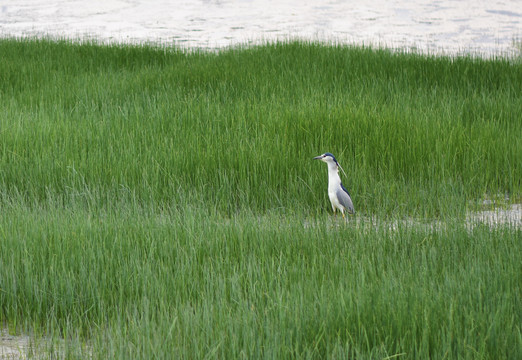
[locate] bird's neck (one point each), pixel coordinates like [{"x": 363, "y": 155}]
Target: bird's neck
[{"x": 333, "y": 175}]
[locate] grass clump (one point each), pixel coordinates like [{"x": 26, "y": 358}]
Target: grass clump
[
  {"x": 236, "y": 130},
  {"x": 190, "y": 285},
  {"x": 156, "y": 203}
]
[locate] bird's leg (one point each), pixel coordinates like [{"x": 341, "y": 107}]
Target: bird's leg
[{"x": 344, "y": 216}]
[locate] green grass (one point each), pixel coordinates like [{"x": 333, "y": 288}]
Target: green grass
[
  {"x": 237, "y": 130},
  {"x": 156, "y": 203},
  {"x": 190, "y": 285}
]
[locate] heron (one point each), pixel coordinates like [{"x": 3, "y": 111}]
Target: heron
[{"x": 339, "y": 196}]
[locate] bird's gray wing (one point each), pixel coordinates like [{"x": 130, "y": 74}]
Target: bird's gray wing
[{"x": 345, "y": 199}]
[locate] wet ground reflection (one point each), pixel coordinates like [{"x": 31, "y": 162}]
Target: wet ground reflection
[{"x": 443, "y": 26}]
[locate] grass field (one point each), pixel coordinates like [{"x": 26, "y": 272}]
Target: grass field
[{"x": 158, "y": 203}]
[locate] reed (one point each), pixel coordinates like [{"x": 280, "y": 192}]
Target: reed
[
  {"x": 236, "y": 130},
  {"x": 160, "y": 203},
  {"x": 192, "y": 285}
]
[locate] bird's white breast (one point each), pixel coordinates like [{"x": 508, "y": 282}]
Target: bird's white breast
[{"x": 334, "y": 183}]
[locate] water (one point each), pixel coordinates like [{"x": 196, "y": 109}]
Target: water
[
  {"x": 485, "y": 27},
  {"x": 13, "y": 347}
]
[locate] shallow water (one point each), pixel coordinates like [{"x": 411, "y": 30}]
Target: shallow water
[
  {"x": 440, "y": 26},
  {"x": 23, "y": 346},
  {"x": 13, "y": 347},
  {"x": 510, "y": 216}
]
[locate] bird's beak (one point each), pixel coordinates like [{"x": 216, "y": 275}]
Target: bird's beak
[{"x": 318, "y": 157}]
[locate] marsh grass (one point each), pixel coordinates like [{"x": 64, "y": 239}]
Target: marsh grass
[
  {"x": 190, "y": 285},
  {"x": 236, "y": 130},
  {"x": 156, "y": 203}
]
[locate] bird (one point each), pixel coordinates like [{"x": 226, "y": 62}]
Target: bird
[{"x": 339, "y": 196}]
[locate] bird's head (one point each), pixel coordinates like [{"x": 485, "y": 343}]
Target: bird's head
[{"x": 327, "y": 158}]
